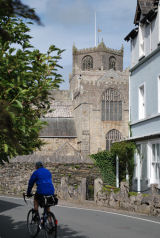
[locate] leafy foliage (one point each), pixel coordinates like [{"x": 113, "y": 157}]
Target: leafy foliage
[
  {"x": 11, "y": 8},
  {"x": 108, "y": 188},
  {"x": 106, "y": 162},
  {"x": 125, "y": 151},
  {"x": 26, "y": 78}
]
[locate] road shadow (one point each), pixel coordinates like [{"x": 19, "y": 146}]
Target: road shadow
[
  {"x": 10, "y": 229},
  {"x": 66, "y": 232},
  {"x": 4, "y": 206}
]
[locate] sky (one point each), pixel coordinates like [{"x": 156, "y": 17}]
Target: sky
[{"x": 68, "y": 22}]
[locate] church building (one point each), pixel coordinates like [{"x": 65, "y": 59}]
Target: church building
[{"x": 93, "y": 113}]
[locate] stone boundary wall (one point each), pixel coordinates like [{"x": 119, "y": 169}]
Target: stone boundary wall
[
  {"x": 70, "y": 182},
  {"x": 14, "y": 177},
  {"x": 122, "y": 199}
]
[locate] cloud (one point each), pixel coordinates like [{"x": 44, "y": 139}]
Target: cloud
[
  {"x": 78, "y": 12},
  {"x": 116, "y": 8},
  {"x": 69, "y": 12},
  {"x": 68, "y": 21},
  {"x": 39, "y": 6}
]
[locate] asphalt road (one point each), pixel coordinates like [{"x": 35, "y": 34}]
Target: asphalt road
[{"x": 77, "y": 222}]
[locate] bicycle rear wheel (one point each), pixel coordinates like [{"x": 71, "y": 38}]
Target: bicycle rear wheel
[
  {"x": 51, "y": 226},
  {"x": 33, "y": 223}
]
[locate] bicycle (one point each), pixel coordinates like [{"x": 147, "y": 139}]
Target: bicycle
[{"x": 47, "y": 221}]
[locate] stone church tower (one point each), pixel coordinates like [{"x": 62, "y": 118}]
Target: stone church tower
[
  {"x": 99, "y": 92},
  {"x": 93, "y": 113}
]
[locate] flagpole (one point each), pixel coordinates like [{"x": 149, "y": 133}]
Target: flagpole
[
  {"x": 95, "y": 31},
  {"x": 98, "y": 34}
]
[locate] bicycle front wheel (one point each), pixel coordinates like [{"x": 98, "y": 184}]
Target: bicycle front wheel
[
  {"x": 33, "y": 223},
  {"x": 51, "y": 226}
]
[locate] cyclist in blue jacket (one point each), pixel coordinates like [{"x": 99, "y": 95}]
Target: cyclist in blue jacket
[{"x": 43, "y": 179}]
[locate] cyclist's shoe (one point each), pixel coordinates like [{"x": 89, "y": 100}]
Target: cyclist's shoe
[{"x": 35, "y": 216}]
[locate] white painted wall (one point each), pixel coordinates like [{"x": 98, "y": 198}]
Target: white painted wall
[{"x": 134, "y": 51}]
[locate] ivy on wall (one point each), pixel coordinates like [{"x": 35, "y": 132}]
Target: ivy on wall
[{"x": 106, "y": 161}]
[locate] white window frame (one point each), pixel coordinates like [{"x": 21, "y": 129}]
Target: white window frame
[
  {"x": 138, "y": 164},
  {"x": 158, "y": 94},
  {"x": 137, "y": 168},
  {"x": 153, "y": 179},
  {"x": 141, "y": 102}
]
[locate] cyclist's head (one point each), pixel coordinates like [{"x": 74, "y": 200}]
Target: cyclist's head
[{"x": 38, "y": 165}]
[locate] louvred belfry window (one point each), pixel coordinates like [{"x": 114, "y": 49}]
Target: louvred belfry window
[
  {"x": 111, "y": 105},
  {"x": 87, "y": 63},
  {"x": 112, "y": 63}
]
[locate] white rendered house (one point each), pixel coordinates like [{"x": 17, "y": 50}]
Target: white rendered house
[{"x": 144, "y": 93}]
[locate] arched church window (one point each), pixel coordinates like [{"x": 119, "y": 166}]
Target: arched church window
[
  {"x": 112, "y": 136},
  {"x": 111, "y": 105},
  {"x": 87, "y": 63},
  {"x": 112, "y": 63}
]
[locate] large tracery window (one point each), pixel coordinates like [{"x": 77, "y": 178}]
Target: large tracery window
[
  {"x": 87, "y": 63},
  {"x": 112, "y": 136},
  {"x": 112, "y": 63},
  {"x": 111, "y": 105}
]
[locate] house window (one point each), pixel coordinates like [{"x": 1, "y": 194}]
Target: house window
[
  {"x": 112, "y": 63},
  {"x": 141, "y": 41},
  {"x": 141, "y": 155},
  {"x": 159, "y": 94},
  {"x": 141, "y": 102},
  {"x": 112, "y": 136},
  {"x": 87, "y": 63},
  {"x": 141, "y": 166},
  {"x": 111, "y": 105},
  {"x": 155, "y": 174}
]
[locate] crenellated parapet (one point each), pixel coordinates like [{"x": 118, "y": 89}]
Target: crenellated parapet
[{"x": 101, "y": 47}]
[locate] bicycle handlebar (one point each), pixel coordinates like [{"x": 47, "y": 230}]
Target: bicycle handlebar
[{"x": 25, "y": 195}]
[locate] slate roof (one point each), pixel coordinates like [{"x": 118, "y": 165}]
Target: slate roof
[
  {"x": 148, "y": 10},
  {"x": 59, "y": 127},
  {"x": 132, "y": 34},
  {"x": 144, "y": 7}
]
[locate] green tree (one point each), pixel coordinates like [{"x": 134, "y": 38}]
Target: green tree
[
  {"x": 11, "y": 8},
  {"x": 26, "y": 78}
]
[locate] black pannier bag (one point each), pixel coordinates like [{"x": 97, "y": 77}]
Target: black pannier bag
[{"x": 48, "y": 201}]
